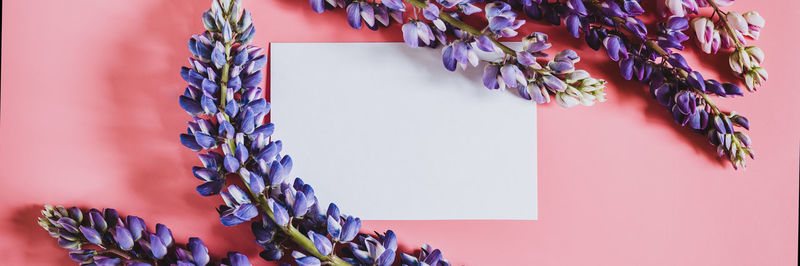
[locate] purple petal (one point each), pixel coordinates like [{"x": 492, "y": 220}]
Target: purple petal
[
  {"x": 231, "y": 163},
  {"x": 136, "y": 226},
  {"x": 218, "y": 55},
  {"x": 484, "y": 43},
  {"x": 731, "y": 89},
  {"x": 460, "y": 52},
  {"x": 308, "y": 261},
  {"x": 715, "y": 87},
  {"x": 386, "y": 258},
  {"x": 190, "y": 142},
  {"x": 333, "y": 211},
  {"x": 683, "y": 101},
  {"x": 253, "y": 80},
  {"x": 123, "y": 238},
  {"x": 191, "y": 106},
  {"x": 626, "y": 68},
  {"x": 322, "y": 243},
  {"x": 157, "y": 247},
  {"x": 382, "y": 15},
  {"x": 410, "y": 35},
  {"x": 246, "y": 212},
  {"x": 431, "y": 12},
  {"x": 695, "y": 80},
  {"x": 90, "y": 234},
  {"x": 448, "y": 60},
  {"x": 209, "y": 87},
  {"x": 286, "y": 162},
  {"x": 553, "y": 83},
  {"x": 237, "y": 259},
  {"x": 577, "y": 7},
  {"x": 210, "y": 188},
  {"x": 354, "y": 15},
  {"x": 500, "y": 23},
  {"x": 741, "y": 121},
  {"x": 165, "y": 234},
  {"x": 279, "y": 213},
  {"x": 573, "y": 23},
  {"x": 276, "y": 173},
  {"x": 394, "y": 4},
  {"x": 205, "y": 174},
  {"x": 199, "y": 251},
  {"x": 526, "y": 58},
  {"x": 300, "y": 206},
  {"x": 96, "y": 221},
  {"x": 433, "y": 258},
  {"x": 424, "y": 32},
  {"x": 350, "y": 229},
  {"x": 509, "y": 75},
  {"x": 612, "y": 47},
  {"x": 368, "y": 13},
  {"x": 490, "y": 77},
  {"x": 334, "y": 228},
  {"x": 562, "y": 66},
  {"x": 317, "y": 5}
]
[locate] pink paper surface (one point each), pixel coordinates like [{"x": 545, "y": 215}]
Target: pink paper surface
[{"x": 90, "y": 118}]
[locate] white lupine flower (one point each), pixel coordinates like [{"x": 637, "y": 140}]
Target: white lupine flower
[
  {"x": 708, "y": 37},
  {"x": 754, "y": 22},
  {"x": 737, "y": 21}
]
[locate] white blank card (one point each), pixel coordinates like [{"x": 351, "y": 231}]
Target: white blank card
[{"x": 385, "y": 132}]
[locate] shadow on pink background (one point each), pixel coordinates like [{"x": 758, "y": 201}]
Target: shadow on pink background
[{"x": 90, "y": 118}]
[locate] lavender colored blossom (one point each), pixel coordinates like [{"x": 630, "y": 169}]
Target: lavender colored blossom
[
  {"x": 654, "y": 61},
  {"x": 228, "y": 110},
  {"x": 104, "y": 238}
]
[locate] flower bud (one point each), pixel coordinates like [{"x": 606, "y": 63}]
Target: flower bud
[
  {"x": 754, "y": 22},
  {"x": 755, "y": 54},
  {"x": 736, "y": 21}
]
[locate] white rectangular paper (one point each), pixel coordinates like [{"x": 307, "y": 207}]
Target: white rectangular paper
[{"x": 385, "y": 132}]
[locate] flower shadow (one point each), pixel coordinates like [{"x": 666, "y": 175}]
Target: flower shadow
[
  {"x": 35, "y": 240},
  {"x": 144, "y": 85}
]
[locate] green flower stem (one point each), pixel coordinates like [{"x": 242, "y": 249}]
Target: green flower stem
[
  {"x": 724, "y": 20},
  {"x": 660, "y": 51},
  {"x": 463, "y": 26},
  {"x": 295, "y": 235}
]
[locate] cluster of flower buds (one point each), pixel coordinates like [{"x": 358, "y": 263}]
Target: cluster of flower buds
[
  {"x": 463, "y": 45},
  {"x": 227, "y": 127},
  {"x": 359, "y": 13},
  {"x": 653, "y": 61},
  {"x": 728, "y": 31},
  {"x": 123, "y": 240}
]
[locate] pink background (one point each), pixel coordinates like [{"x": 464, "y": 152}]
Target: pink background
[{"x": 90, "y": 118}]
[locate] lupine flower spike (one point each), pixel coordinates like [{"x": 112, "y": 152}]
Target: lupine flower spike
[
  {"x": 654, "y": 61},
  {"x": 104, "y": 238},
  {"x": 227, "y": 127},
  {"x": 462, "y": 45}
]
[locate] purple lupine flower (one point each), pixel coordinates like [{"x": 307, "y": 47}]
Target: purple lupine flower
[
  {"x": 237, "y": 208},
  {"x": 379, "y": 251},
  {"x": 417, "y": 33},
  {"x": 641, "y": 60},
  {"x": 502, "y": 21},
  {"x": 671, "y": 33},
  {"x": 127, "y": 235},
  {"x": 615, "y": 48},
  {"x": 459, "y": 53},
  {"x": 427, "y": 256}
]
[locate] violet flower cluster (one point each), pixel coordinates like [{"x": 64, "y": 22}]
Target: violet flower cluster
[
  {"x": 728, "y": 32},
  {"x": 525, "y": 70},
  {"x": 227, "y": 127},
  {"x": 615, "y": 26},
  {"x": 116, "y": 240}
]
